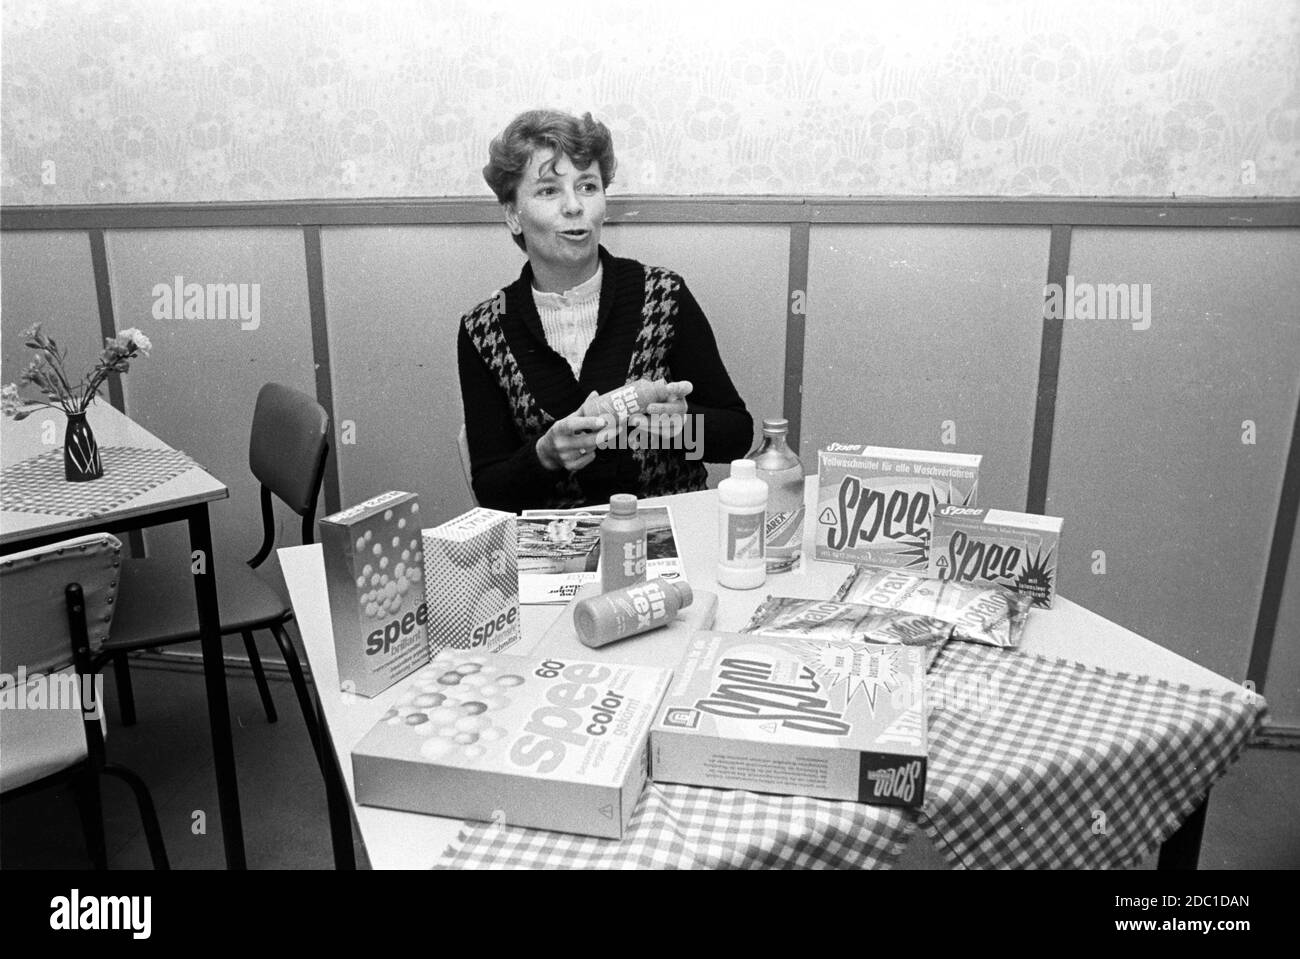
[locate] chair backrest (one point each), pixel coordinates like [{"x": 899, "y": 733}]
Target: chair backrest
[
  {"x": 286, "y": 452},
  {"x": 462, "y": 444},
  {"x": 56, "y": 607},
  {"x": 290, "y": 438},
  {"x": 33, "y": 604}
]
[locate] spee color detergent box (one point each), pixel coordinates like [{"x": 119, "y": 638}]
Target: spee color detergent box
[
  {"x": 547, "y": 743},
  {"x": 373, "y": 573},
  {"x": 875, "y": 504},
  {"x": 821, "y": 718},
  {"x": 471, "y": 582},
  {"x": 1015, "y": 550}
]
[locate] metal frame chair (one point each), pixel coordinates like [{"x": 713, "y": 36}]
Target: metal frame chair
[
  {"x": 287, "y": 450},
  {"x": 42, "y": 747}
]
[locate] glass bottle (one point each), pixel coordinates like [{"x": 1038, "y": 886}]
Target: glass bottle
[{"x": 779, "y": 467}]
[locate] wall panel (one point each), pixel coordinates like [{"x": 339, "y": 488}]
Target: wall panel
[
  {"x": 197, "y": 389},
  {"x": 393, "y": 299},
  {"x": 1149, "y": 463},
  {"x": 1282, "y": 687},
  {"x": 420, "y": 279},
  {"x": 912, "y": 326}
]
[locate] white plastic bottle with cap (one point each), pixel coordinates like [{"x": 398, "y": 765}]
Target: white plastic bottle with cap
[{"x": 742, "y": 522}]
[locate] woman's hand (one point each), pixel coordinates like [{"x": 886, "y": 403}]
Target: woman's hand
[
  {"x": 570, "y": 443},
  {"x": 667, "y": 418}
]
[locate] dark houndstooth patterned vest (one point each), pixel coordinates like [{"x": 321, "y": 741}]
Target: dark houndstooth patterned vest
[{"x": 660, "y": 472}]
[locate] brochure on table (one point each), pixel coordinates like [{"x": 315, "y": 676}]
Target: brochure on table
[{"x": 559, "y": 551}]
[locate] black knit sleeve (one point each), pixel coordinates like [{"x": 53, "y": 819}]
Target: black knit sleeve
[
  {"x": 728, "y": 425},
  {"x": 507, "y": 474}
]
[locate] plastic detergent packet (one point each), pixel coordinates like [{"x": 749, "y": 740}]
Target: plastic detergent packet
[
  {"x": 990, "y": 615},
  {"x": 784, "y": 616}
]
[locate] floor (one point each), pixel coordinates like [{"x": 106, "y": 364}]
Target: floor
[{"x": 1253, "y": 821}]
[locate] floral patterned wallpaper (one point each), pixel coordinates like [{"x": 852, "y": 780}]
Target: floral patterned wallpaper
[{"x": 147, "y": 100}]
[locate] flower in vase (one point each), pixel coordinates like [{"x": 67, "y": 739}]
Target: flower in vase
[{"x": 47, "y": 373}]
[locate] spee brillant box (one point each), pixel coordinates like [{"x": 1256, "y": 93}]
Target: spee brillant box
[
  {"x": 547, "y": 743},
  {"x": 821, "y": 718},
  {"x": 875, "y": 504},
  {"x": 373, "y": 573},
  {"x": 1015, "y": 550},
  {"x": 471, "y": 582}
]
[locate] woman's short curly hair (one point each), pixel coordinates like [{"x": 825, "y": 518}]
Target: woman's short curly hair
[{"x": 583, "y": 140}]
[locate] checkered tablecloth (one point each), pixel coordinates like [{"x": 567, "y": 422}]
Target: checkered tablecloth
[
  {"x": 682, "y": 827},
  {"x": 1046, "y": 763},
  {"x": 38, "y": 485},
  {"x": 1034, "y": 762}
]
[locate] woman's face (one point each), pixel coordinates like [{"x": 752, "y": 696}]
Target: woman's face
[{"x": 559, "y": 209}]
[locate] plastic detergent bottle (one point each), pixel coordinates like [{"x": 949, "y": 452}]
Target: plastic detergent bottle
[
  {"x": 622, "y": 544},
  {"x": 779, "y": 467},
  {"x": 742, "y": 518},
  {"x": 604, "y": 619}
]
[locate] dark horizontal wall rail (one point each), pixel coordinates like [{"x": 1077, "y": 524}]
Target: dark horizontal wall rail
[{"x": 995, "y": 211}]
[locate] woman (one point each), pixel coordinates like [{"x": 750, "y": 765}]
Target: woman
[{"x": 579, "y": 322}]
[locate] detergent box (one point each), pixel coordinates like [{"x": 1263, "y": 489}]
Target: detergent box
[
  {"x": 547, "y": 743},
  {"x": 1016, "y": 550},
  {"x": 471, "y": 582},
  {"x": 373, "y": 573},
  {"x": 821, "y": 718},
  {"x": 875, "y": 504}
]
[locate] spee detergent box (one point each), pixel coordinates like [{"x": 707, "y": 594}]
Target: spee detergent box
[
  {"x": 1015, "y": 550},
  {"x": 875, "y": 504},
  {"x": 821, "y": 718},
  {"x": 373, "y": 574},
  {"x": 471, "y": 582},
  {"x": 547, "y": 743}
]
